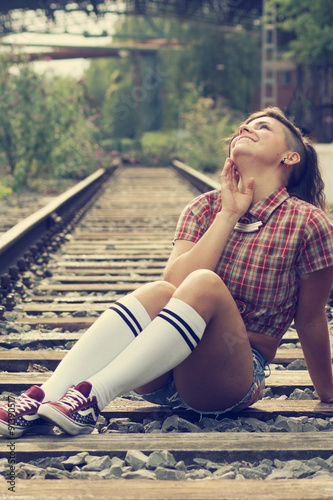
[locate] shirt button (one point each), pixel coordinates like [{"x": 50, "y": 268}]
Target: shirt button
[{"x": 241, "y": 306}]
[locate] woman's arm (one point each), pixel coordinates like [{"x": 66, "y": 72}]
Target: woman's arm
[
  {"x": 312, "y": 328},
  {"x": 187, "y": 256}
]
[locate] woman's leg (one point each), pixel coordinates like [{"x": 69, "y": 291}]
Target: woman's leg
[
  {"x": 162, "y": 345},
  {"x": 104, "y": 340},
  {"x": 117, "y": 327},
  {"x": 211, "y": 376},
  {"x": 219, "y": 372}
]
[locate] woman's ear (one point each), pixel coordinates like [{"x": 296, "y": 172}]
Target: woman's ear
[{"x": 291, "y": 158}]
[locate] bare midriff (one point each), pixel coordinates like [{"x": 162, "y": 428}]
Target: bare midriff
[{"x": 264, "y": 344}]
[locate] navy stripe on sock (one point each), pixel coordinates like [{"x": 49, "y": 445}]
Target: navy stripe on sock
[
  {"x": 131, "y": 315},
  {"x": 187, "y": 326},
  {"x": 182, "y": 332},
  {"x": 127, "y": 321}
]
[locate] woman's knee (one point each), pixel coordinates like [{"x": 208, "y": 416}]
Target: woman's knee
[
  {"x": 204, "y": 290},
  {"x": 204, "y": 282},
  {"x": 154, "y": 296}
]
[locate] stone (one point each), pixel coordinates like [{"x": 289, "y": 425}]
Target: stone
[
  {"x": 139, "y": 474},
  {"x": 180, "y": 465},
  {"x": 228, "y": 475},
  {"x": 318, "y": 462},
  {"x": 298, "y": 394},
  {"x": 298, "y": 364},
  {"x": 251, "y": 423},
  {"x": 101, "y": 423},
  {"x": 54, "y": 462},
  {"x": 20, "y": 473},
  {"x": 136, "y": 427},
  {"x": 290, "y": 424},
  {"x": 207, "y": 464},
  {"x": 308, "y": 427},
  {"x": 322, "y": 424},
  {"x": 163, "y": 473},
  {"x": 298, "y": 468},
  {"x": 198, "y": 474},
  {"x": 117, "y": 461},
  {"x": 98, "y": 464},
  {"x": 152, "y": 426},
  {"x": 280, "y": 474},
  {"x": 82, "y": 475},
  {"x": 113, "y": 471},
  {"x": 225, "y": 469},
  {"x": 249, "y": 473},
  {"x": 179, "y": 424},
  {"x": 209, "y": 423},
  {"x": 160, "y": 459},
  {"x": 31, "y": 470},
  {"x": 77, "y": 459},
  {"x": 54, "y": 473},
  {"x": 136, "y": 459},
  {"x": 227, "y": 425}
]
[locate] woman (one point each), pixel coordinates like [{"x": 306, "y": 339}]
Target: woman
[{"x": 246, "y": 261}]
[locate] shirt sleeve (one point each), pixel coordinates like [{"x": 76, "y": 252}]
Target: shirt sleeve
[
  {"x": 196, "y": 218},
  {"x": 317, "y": 252}
]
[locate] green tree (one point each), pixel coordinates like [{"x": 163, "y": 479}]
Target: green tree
[
  {"x": 140, "y": 93},
  {"x": 310, "y": 26}
]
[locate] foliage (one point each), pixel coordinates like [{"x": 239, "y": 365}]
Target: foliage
[
  {"x": 206, "y": 124},
  {"x": 200, "y": 143},
  {"x": 223, "y": 65},
  {"x": 43, "y": 128},
  {"x": 158, "y": 148},
  {"x": 142, "y": 93},
  {"x": 5, "y": 191},
  {"x": 311, "y": 22}
]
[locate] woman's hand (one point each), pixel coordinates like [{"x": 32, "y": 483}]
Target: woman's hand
[{"x": 234, "y": 202}]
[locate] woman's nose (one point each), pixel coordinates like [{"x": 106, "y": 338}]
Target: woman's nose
[{"x": 244, "y": 128}]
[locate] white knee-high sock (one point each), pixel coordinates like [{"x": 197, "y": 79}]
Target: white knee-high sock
[
  {"x": 99, "y": 345},
  {"x": 165, "y": 343}
]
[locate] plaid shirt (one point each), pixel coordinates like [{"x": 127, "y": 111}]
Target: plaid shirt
[{"x": 262, "y": 269}]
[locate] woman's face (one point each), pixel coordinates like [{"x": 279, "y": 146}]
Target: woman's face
[{"x": 263, "y": 139}]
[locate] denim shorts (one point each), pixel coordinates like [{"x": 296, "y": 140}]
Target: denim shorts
[{"x": 167, "y": 395}]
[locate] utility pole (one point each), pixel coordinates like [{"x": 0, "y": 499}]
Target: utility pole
[{"x": 269, "y": 82}]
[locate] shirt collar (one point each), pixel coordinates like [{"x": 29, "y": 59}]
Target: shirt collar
[{"x": 264, "y": 208}]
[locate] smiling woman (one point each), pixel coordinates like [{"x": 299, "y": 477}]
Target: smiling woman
[
  {"x": 305, "y": 181},
  {"x": 247, "y": 260}
]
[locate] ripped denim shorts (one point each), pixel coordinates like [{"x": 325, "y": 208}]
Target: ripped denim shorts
[{"x": 167, "y": 395}]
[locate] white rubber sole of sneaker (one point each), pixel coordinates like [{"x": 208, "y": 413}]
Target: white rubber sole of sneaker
[
  {"x": 65, "y": 423},
  {"x": 13, "y": 432}
]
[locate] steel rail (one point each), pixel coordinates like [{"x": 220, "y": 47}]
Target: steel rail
[
  {"x": 197, "y": 179},
  {"x": 17, "y": 240}
]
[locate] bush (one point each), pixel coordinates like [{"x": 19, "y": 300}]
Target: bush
[
  {"x": 5, "y": 191},
  {"x": 207, "y": 123},
  {"x": 200, "y": 143},
  {"x": 158, "y": 148},
  {"x": 45, "y": 127}
]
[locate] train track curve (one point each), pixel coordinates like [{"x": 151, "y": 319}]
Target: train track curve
[{"x": 120, "y": 240}]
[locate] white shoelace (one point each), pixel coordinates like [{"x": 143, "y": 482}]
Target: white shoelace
[
  {"x": 23, "y": 402},
  {"x": 72, "y": 399}
]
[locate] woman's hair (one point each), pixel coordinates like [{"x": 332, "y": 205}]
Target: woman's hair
[{"x": 305, "y": 180}]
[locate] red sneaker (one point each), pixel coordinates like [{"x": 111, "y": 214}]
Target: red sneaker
[
  {"x": 75, "y": 413},
  {"x": 19, "y": 416}
]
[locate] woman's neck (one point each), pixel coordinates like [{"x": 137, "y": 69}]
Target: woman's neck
[{"x": 263, "y": 186}]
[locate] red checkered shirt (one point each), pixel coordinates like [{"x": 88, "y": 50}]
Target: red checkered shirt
[{"x": 262, "y": 269}]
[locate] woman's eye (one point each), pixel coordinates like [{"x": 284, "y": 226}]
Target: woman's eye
[{"x": 264, "y": 126}]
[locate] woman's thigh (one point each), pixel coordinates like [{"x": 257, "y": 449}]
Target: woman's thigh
[{"x": 219, "y": 372}]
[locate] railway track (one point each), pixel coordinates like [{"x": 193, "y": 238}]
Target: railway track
[{"x": 121, "y": 242}]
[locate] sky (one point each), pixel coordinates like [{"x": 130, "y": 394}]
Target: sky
[{"x": 76, "y": 24}]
